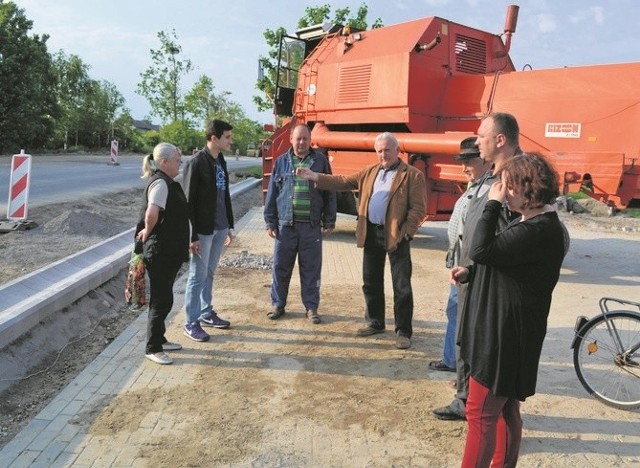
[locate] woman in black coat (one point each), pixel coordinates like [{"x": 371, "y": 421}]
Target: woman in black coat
[
  {"x": 508, "y": 301},
  {"x": 164, "y": 231}
]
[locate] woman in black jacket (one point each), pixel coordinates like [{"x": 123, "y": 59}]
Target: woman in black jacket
[
  {"x": 508, "y": 301},
  {"x": 163, "y": 230}
]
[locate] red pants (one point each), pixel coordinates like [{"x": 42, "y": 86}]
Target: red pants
[{"x": 494, "y": 429}]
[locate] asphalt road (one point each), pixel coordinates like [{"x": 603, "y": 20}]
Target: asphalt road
[{"x": 71, "y": 177}]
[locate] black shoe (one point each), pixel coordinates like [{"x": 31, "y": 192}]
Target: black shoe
[
  {"x": 440, "y": 366},
  {"x": 276, "y": 313},
  {"x": 453, "y": 412},
  {"x": 369, "y": 330}
]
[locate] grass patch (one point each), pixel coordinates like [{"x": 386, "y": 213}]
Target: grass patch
[
  {"x": 253, "y": 171},
  {"x": 578, "y": 195},
  {"x": 631, "y": 212}
]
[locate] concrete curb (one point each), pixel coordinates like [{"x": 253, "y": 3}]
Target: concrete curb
[{"x": 25, "y": 301}]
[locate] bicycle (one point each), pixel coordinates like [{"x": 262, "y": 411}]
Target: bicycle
[{"x": 606, "y": 354}]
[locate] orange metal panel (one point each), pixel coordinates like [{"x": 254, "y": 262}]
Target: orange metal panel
[{"x": 351, "y": 87}]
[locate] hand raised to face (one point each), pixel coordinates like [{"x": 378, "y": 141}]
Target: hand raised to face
[{"x": 498, "y": 192}]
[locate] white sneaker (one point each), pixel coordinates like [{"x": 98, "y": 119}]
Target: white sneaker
[
  {"x": 169, "y": 346},
  {"x": 160, "y": 358}
]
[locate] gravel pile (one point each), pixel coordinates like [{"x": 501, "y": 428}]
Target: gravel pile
[{"x": 246, "y": 261}]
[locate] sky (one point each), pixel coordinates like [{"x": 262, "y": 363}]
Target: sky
[{"x": 224, "y": 39}]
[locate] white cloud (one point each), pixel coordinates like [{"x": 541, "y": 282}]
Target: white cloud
[
  {"x": 594, "y": 13},
  {"x": 597, "y": 13},
  {"x": 546, "y": 23}
]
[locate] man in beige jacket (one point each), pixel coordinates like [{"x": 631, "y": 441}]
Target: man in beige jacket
[{"x": 391, "y": 209}]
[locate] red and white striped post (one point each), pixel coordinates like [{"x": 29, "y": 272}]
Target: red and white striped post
[
  {"x": 114, "y": 153},
  {"x": 18, "y": 205}
]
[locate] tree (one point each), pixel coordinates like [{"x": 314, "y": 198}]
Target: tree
[
  {"x": 161, "y": 81},
  {"x": 28, "y": 106},
  {"x": 89, "y": 107},
  {"x": 99, "y": 109},
  {"x": 266, "y": 82},
  {"x": 200, "y": 101},
  {"x": 182, "y": 135},
  {"x": 72, "y": 84}
]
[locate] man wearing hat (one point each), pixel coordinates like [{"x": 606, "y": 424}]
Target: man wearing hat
[
  {"x": 473, "y": 167},
  {"x": 498, "y": 141}
]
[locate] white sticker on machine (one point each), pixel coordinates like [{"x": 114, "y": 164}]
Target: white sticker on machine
[{"x": 562, "y": 130}]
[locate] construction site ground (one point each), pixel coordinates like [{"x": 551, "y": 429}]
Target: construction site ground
[{"x": 289, "y": 393}]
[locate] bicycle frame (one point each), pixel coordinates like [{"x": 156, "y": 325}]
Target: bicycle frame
[
  {"x": 612, "y": 328},
  {"x": 605, "y": 353},
  {"x": 582, "y": 320}
]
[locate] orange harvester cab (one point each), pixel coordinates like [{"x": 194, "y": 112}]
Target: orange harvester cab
[{"x": 430, "y": 81}]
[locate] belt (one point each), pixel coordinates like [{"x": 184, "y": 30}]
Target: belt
[{"x": 376, "y": 226}]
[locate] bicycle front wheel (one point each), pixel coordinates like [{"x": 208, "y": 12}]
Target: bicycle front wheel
[{"x": 603, "y": 367}]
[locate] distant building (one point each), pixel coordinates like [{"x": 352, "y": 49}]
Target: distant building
[{"x": 145, "y": 126}]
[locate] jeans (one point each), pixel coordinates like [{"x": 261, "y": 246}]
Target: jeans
[
  {"x": 494, "y": 429},
  {"x": 162, "y": 274},
  {"x": 374, "y": 258},
  {"x": 449, "y": 351},
  {"x": 198, "y": 297},
  {"x": 304, "y": 241}
]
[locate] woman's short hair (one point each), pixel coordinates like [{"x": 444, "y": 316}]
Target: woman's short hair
[{"x": 533, "y": 178}]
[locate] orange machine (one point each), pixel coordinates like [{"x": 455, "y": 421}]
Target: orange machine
[{"x": 431, "y": 81}]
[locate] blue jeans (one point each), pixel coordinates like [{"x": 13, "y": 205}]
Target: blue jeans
[
  {"x": 449, "y": 352},
  {"x": 198, "y": 297}
]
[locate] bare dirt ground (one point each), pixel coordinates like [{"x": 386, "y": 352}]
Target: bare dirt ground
[
  {"x": 58, "y": 351},
  {"x": 387, "y": 394}
]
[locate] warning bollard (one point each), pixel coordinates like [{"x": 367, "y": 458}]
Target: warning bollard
[
  {"x": 114, "y": 153},
  {"x": 17, "y": 207}
]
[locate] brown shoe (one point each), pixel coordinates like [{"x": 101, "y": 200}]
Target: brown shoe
[
  {"x": 369, "y": 330},
  {"x": 403, "y": 342},
  {"x": 313, "y": 316}
]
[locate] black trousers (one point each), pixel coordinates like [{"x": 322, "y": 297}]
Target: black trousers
[
  {"x": 162, "y": 274},
  {"x": 373, "y": 278}
]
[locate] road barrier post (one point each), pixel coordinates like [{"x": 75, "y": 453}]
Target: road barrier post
[
  {"x": 18, "y": 204},
  {"x": 114, "y": 153}
]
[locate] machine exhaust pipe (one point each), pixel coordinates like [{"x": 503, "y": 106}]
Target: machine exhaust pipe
[
  {"x": 510, "y": 24},
  {"x": 442, "y": 143}
]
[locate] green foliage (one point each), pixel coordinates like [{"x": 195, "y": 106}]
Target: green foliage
[
  {"x": 252, "y": 171},
  {"x": 199, "y": 105},
  {"x": 246, "y": 131},
  {"x": 129, "y": 138},
  {"x": 631, "y": 212},
  {"x": 179, "y": 133},
  {"x": 320, "y": 14},
  {"x": 266, "y": 82},
  {"x": 161, "y": 81},
  {"x": 89, "y": 108},
  {"x": 151, "y": 139},
  {"x": 28, "y": 107},
  {"x": 51, "y": 102},
  {"x": 201, "y": 101},
  {"x": 578, "y": 195}
]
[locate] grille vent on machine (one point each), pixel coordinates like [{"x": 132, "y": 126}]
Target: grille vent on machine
[
  {"x": 471, "y": 55},
  {"x": 353, "y": 84}
]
